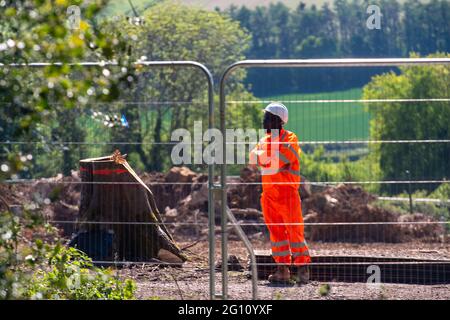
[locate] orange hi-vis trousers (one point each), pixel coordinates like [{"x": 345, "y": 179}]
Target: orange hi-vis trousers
[{"x": 283, "y": 216}]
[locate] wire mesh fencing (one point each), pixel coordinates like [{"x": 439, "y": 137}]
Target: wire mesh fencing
[
  {"x": 137, "y": 213},
  {"x": 373, "y": 188},
  {"x": 374, "y": 176}
]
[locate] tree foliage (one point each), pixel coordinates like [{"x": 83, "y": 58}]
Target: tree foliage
[
  {"x": 30, "y": 97},
  {"x": 418, "y": 120},
  {"x": 171, "y": 98},
  {"x": 338, "y": 31},
  {"x": 40, "y": 104},
  {"x": 41, "y": 269}
]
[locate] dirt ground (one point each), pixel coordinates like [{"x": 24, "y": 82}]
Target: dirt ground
[
  {"x": 184, "y": 209},
  {"x": 192, "y": 280}
]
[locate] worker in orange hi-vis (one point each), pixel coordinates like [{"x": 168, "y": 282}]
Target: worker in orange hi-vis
[{"x": 278, "y": 156}]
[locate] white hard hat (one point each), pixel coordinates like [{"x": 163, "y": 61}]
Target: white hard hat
[{"x": 278, "y": 109}]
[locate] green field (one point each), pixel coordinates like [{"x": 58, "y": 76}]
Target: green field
[
  {"x": 320, "y": 120},
  {"x": 122, "y": 6},
  {"x": 115, "y": 7}
]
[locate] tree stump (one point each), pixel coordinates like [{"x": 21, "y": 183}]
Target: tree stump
[{"x": 116, "y": 202}]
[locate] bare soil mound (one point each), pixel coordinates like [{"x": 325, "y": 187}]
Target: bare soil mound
[{"x": 182, "y": 198}]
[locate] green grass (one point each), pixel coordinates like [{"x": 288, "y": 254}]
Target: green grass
[
  {"x": 122, "y": 6},
  {"x": 326, "y": 121},
  {"x": 116, "y": 7},
  {"x": 119, "y": 7}
]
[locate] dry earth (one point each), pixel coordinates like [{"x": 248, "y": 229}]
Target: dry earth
[{"x": 192, "y": 280}]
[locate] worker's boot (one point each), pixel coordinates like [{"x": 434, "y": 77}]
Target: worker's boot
[
  {"x": 282, "y": 275},
  {"x": 303, "y": 275}
]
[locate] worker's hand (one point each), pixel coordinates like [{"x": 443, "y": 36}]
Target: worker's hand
[
  {"x": 252, "y": 166},
  {"x": 253, "y": 158}
]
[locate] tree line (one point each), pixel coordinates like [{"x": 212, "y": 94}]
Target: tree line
[{"x": 338, "y": 30}]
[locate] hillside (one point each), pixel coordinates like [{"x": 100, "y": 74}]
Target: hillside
[
  {"x": 121, "y": 6},
  {"x": 327, "y": 121}
]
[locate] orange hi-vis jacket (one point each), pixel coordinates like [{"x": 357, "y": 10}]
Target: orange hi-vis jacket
[{"x": 278, "y": 156}]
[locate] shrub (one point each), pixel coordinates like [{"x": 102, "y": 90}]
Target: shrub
[{"x": 41, "y": 270}]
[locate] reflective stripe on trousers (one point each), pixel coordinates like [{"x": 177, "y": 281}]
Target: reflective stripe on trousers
[{"x": 283, "y": 216}]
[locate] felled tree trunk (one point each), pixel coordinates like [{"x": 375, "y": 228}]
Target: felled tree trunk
[{"x": 115, "y": 200}]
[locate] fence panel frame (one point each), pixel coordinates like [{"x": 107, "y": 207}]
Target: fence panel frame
[
  {"x": 284, "y": 63},
  {"x": 163, "y": 64}
]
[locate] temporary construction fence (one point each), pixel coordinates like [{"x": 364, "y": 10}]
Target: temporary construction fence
[
  {"x": 332, "y": 215},
  {"x": 113, "y": 224},
  {"x": 364, "y": 222}
]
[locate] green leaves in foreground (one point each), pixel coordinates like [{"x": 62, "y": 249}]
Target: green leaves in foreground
[
  {"x": 39, "y": 270},
  {"x": 71, "y": 275}
]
